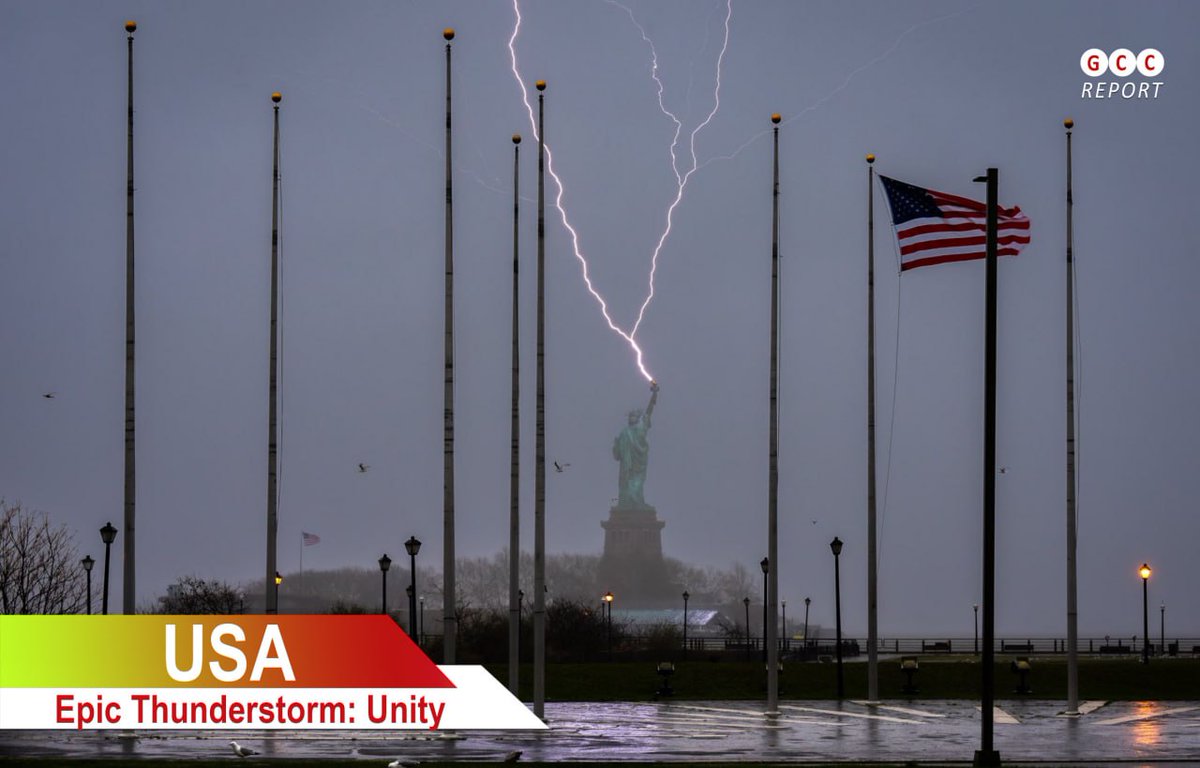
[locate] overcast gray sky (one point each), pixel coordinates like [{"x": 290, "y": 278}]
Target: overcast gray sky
[{"x": 938, "y": 90}]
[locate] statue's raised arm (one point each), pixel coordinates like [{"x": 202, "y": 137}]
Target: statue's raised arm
[{"x": 653, "y": 400}]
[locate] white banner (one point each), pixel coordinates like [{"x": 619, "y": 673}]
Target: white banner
[{"x": 478, "y": 701}]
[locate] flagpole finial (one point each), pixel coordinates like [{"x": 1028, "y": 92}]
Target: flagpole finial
[
  {"x": 540, "y": 85},
  {"x": 130, "y": 26},
  {"x": 516, "y": 138},
  {"x": 448, "y": 33},
  {"x": 775, "y": 118},
  {"x": 870, "y": 158},
  {"x": 277, "y": 97},
  {"x": 1068, "y": 123}
]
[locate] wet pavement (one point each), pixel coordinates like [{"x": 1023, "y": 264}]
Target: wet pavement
[{"x": 1142, "y": 733}]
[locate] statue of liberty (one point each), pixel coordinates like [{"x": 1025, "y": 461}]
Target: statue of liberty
[{"x": 632, "y": 450}]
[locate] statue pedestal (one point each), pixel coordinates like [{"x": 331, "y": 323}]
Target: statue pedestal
[{"x": 632, "y": 567}]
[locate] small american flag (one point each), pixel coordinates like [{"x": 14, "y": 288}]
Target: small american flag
[
  {"x": 935, "y": 227},
  {"x": 310, "y": 538}
]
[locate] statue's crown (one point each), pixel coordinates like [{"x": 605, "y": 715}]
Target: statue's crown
[{"x": 636, "y": 413}]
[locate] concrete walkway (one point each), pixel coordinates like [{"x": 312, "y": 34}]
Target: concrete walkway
[{"x": 893, "y": 731}]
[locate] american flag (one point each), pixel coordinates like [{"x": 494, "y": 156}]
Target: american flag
[
  {"x": 310, "y": 538},
  {"x": 934, "y": 227}
]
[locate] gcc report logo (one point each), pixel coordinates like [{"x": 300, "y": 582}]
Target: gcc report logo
[{"x": 1122, "y": 63}]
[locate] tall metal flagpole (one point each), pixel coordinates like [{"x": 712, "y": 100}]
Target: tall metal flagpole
[
  {"x": 129, "y": 594},
  {"x": 539, "y": 467},
  {"x": 769, "y": 631},
  {"x": 514, "y": 478},
  {"x": 987, "y": 755},
  {"x": 449, "y": 605},
  {"x": 1072, "y": 606},
  {"x": 872, "y": 551},
  {"x": 272, "y": 589}
]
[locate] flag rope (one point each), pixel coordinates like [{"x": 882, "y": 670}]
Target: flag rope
[{"x": 887, "y": 476}]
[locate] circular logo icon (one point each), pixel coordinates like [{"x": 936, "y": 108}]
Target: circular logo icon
[
  {"x": 1122, "y": 62},
  {"x": 1094, "y": 62},
  {"x": 1150, "y": 62}
]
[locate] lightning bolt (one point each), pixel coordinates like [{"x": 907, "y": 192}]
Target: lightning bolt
[{"x": 681, "y": 178}]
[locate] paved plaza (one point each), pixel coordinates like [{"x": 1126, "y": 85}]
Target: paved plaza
[{"x": 1145, "y": 733}]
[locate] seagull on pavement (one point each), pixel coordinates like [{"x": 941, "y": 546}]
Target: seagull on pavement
[
  {"x": 403, "y": 763},
  {"x": 513, "y": 756},
  {"x": 241, "y": 751}
]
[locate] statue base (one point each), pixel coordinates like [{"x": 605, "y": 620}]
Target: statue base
[{"x": 632, "y": 567}]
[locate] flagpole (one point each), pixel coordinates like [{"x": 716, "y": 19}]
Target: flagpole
[
  {"x": 1072, "y": 605},
  {"x": 449, "y": 618},
  {"x": 129, "y": 594},
  {"x": 272, "y": 589},
  {"x": 539, "y": 467},
  {"x": 769, "y": 631},
  {"x": 514, "y": 479},
  {"x": 987, "y": 755},
  {"x": 872, "y": 557}
]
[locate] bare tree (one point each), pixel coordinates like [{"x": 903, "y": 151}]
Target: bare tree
[
  {"x": 194, "y": 595},
  {"x": 39, "y": 564}
]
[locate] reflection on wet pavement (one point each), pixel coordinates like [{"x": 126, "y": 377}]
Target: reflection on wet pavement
[{"x": 693, "y": 731}]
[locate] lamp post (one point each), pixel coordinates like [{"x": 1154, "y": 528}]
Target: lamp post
[
  {"x": 685, "y": 617},
  {"x": 836, "y": 547},
  {"x": 746, "y": 602},
  {"x": 385, "y": 563},
  {"x": 1162, "y": 628},
  {"x": 765, "y": 564},
  {"x": 87, "y": 564},
  {"x": 413, "y": 546},
  {"x": 421, "y": 623},
  {"x": 107, "y": 534},
  {"x": 976, "y": 607},
  {"x": 412, "y": 617},
  {"x": 785, "y": 632},
  {"x": 1144, "y": 572},
  {"x": 807, "y": 602},
  {"x": 608, "y": 601}
]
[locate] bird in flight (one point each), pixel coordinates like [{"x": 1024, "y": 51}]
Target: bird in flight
[
  {"x": 560, "y": 467},
  {"x": 241, "y": 751},
  {"x": 363, "y": 467},
  {"x": 49, "y": 395}
]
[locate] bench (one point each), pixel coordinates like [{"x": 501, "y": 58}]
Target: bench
[
  {"x": 1118, "y": 648},
  {"x": 1013, "y": 647},
  {"x": 937, "y": 647}
]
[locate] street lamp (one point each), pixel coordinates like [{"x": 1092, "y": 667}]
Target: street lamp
[
  {"x": 1162, "y": 628},
  {"x": 976, "y": 607},
  {"x": 385, "y": 563},
  {"x": 412, "y": 617},
  {"x": 413, "y": 546},
  {"x": 746, "y": 602},
  {"x": 87, "y": 564},
  {"x": 421, "y": 623},
  {"x": 785, "y": 632},
  {"x": 107, "y": 534},
  {"x": 1144, "y": 572},
  {"x": 765, "y": 564},
  {"x": 608, "y": 601},
  {"x": 807, "y": 602},
  {"x": 836, "y": 546},
  {"x": 685, "y": 599}
]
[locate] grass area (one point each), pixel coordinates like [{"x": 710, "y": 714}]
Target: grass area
[{"x": 949, "y": 677}]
